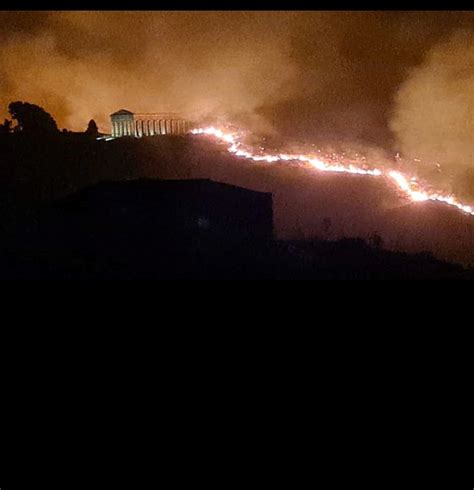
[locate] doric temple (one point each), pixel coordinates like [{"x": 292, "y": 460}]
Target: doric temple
[{"x": 126, "y": 123}]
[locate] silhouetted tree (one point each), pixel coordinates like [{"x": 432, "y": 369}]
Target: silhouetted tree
[
  {"x": 92, "y": 129},
  {"x": 32, "y": 119},
  {"x": 6, "y": 127}
]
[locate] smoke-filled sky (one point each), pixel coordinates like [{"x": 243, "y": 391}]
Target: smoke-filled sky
[{"x": 400, "y": 80}]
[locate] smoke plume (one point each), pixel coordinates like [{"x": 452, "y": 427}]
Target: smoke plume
[
  {"x": 434, "y": 113},
  {"x": 394, "y": 80}
]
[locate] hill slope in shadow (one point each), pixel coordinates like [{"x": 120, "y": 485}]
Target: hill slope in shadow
[{"x": 307, "y": 205}]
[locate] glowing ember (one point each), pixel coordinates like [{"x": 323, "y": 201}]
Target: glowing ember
[{"x": 410, "y": 186}]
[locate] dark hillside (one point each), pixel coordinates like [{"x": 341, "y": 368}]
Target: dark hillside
[{"x": 307, "y": 205}]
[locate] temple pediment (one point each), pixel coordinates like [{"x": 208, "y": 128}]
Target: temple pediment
[{"x": 122, "y": 112}]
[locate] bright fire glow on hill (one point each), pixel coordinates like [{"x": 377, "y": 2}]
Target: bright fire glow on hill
[{"x": 410, "y": 186}]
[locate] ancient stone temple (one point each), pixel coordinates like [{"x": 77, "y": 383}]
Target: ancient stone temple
[{"x": 126, "y": 123}]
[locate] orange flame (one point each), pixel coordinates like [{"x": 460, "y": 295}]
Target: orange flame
[{"x": 410, "y": 187}]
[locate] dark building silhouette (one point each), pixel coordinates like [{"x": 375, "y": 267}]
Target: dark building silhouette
[
  {"x": 217, "y": 210},
  {"x": 156, "y": 228}
]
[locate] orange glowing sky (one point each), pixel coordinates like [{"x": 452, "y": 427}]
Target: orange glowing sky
[{"x": 397, "y": 80}]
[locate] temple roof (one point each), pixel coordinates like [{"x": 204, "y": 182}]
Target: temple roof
[
  {"x": 122, "y": 112},
  {"x": 150, "y": 115},
  {"x": 159, "y": 115}
]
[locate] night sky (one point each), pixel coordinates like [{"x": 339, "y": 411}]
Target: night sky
[
  {"x": 401, "y": 81},
  {"x": 325, "y": 75}
]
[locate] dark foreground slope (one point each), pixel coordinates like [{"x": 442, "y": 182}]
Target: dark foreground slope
[
  {"x": 307, "y": 205},
  {"x": 192, "y": 229},
  {"x": 443, "y": 230}
]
